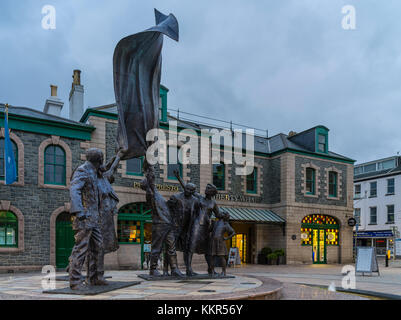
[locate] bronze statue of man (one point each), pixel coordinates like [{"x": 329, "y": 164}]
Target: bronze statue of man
[
  {"x": 185, "y": 206},
  {"x": 84, "y": 196},
  {"x": 107, "y": 209},
  {"x": 162, "y": 225}
]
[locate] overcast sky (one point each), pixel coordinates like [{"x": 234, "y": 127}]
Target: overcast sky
[{"x": 279, "y": 65}]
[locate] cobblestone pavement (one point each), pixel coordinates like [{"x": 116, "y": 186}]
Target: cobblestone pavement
[
  {"x": 29, "y": 286},
  {"x": 307, "y": 282},
  {"x": 292, "y": 291},
  {"x": 388, "y": 282}
]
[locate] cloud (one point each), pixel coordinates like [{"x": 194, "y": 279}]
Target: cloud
[{"x": 276, "y": 65}]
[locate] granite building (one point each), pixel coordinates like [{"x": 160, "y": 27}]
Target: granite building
[{"x": 298, "y": 197}]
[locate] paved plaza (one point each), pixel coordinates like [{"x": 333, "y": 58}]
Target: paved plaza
[
  {"x": 308, "y": 282},
  {"x": 29, "y": 286}
]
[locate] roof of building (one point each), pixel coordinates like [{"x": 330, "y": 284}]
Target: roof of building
[
  {"x": 32, "y": 113},
  {"x": 266, "y": 145},
  {"x": 379, "y": 173},
  {"x": 253, "y": 215},
  {"x": 30, "y": 120}
]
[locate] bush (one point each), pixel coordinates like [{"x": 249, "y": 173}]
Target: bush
[
  {"x": 266, "y": 250},
  {"x": 272, "y": 256},
  {"x": 280, "y": 252}
]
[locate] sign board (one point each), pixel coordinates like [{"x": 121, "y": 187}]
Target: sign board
[
  {"x": 366, "y": 261},
  {"x": 147, "y": 247},
  {"x": 375, "y": 234},
  {"x": 233, "y": 257},
  {"x": 351, "y": 222}
]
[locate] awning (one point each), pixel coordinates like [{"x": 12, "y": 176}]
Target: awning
[{"x": 253, "y": 215}]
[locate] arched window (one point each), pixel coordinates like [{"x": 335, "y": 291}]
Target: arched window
[
  {"x": 55, "y": 165},
  {"x": 15, "y": 150},
  {"x": 317, "y": 221},
  {"x": 134, "y": 222},
  {"x": 8, "y": 230}
]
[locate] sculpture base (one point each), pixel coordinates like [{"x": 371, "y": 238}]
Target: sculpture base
[
  {"x": 94, "y": 290},
  {"x": 67, "y": 278},
  {"x": 148, "y": 277}
]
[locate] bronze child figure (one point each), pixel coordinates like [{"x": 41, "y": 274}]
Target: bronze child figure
[{"x": 218, "y": 248}]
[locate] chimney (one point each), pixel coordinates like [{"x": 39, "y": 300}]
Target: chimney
[
  {"x": 76, "y": 97},
  {"x": 53, "y": 104}
]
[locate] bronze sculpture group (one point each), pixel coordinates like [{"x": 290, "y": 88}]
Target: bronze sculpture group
[{"x": 182, "y": 223}]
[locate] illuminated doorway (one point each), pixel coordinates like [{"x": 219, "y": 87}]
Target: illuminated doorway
[
  {"x": 319, "y": 231},
  {"x": 134, "y": 226},
  {"x": 240, "y": 241},
  {"x": 319, "y": 246}
]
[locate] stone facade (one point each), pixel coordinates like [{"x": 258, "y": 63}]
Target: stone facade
[
  {"x": 280, "y": 183},
  {"x": 34, "y": 200}
]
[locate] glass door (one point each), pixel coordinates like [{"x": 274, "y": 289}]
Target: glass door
[
  {"x": 319, "y": 246},
  {"x": 240, "y": 241}
]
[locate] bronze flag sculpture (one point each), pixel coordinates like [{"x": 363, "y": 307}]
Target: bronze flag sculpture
[{"x": 137, "y": 69}]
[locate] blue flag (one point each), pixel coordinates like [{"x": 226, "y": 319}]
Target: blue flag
[{"x": 10, "y": 167}]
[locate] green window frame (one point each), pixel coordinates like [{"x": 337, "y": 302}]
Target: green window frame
[
  {"x": 310, "y": 181},
  {"x": 219, "y": 176},
  {"x": 15, "y": 150},
  {"x": 251, "y": 181},
  {"x": 316, "y": 221},
  {"x": 333, "y": 177},
  {"x": 322, "y": 137},
  {"x": 8, "y": 230},
  {"x": 55, "y": 165},
  {"x": 130, "y": 165},
  {"x": 173, "y": 166},
  {"x": 131, "y": 223}
]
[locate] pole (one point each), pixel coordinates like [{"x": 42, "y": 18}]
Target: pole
[
  {"x": 6, "y": 110},
  {"x": 5, "y": 163}
]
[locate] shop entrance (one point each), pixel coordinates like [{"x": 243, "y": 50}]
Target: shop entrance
[
  {"x": 240, "y": 241},
  {"x": 319, "y": 246},
  {"x": 64, "y": 239},
  {"x": 134, "y": 227},
  {"x": 319, "y": 231}
]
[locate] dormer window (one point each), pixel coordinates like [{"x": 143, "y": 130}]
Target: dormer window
[
  {"x": 321, "y": 139},
  {"x": 322, "y": 143}
]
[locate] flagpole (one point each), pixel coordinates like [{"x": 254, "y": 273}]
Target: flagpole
[
  {"x": 7, "y": 111},
  {"x": 5, "y": 135}
]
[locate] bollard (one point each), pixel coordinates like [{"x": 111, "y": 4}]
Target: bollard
[{"x": 388, "y": 256}]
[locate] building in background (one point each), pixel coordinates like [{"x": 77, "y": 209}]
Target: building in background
[
  {"x": 377, "y": 204},
  {"x": 298, "y": 197}
]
